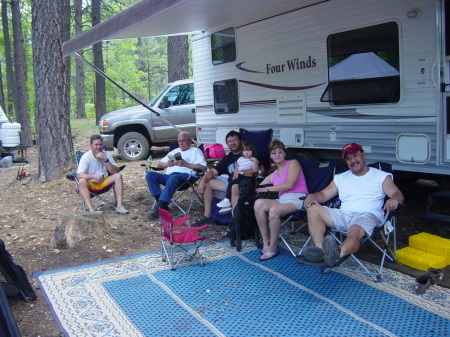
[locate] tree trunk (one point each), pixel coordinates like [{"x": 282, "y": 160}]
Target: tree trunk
[
  {"x": 79, "y": 76},
  {"x": 51, "y": 88},
  {"x": 178, "y": 59},
  {"x": 21, "y": 74},
  {"x": 11, "y": 82},
  {"x": 2, "y": 90},
  {"x": 100, "y": 87}
]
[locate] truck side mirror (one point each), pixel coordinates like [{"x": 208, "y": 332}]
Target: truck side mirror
[{"x": 164, "y": 103}]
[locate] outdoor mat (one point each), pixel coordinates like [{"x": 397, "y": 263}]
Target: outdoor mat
[{"x": 235, "y": 294}]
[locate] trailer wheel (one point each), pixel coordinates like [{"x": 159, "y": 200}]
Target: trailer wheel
[{"x": 133, "y": 146}]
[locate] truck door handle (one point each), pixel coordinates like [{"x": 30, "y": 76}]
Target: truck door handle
[{"x": 193, "y": 111}]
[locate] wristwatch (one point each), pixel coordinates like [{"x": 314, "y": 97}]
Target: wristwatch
[{"x": 107, "y": 160}]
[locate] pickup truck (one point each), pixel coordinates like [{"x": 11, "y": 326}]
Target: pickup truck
[{"x": 134, "y": 130}]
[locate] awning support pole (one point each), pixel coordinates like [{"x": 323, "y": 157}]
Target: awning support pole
[{"x": 98, "y": 71}]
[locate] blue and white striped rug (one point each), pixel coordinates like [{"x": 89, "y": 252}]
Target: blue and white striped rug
[{"x": 236, "y": 295}]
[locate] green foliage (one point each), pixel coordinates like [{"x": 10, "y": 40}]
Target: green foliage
[
  {"x": 139, "y": 65},
  {"x": 84, "y": 125}
]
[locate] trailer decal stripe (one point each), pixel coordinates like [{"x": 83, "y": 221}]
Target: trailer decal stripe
[
  {"x": 270, "y": 101},
  {"x": 277, "y": 87}
]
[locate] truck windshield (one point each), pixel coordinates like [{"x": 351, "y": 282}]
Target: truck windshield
[{"x": 154, "y": 99}]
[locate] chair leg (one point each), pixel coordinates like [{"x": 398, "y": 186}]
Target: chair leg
[{"x": 303, "y": 247}]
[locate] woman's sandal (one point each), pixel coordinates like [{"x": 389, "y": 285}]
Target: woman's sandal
[
  {"x": 269, "y": 256},
  {"x": 264, "y": 249}
]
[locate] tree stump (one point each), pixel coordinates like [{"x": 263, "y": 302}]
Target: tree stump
[{"x": 73, "y": 228}]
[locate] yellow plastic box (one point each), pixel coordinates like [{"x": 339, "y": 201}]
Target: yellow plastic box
[{"x": 419, "y": 259}]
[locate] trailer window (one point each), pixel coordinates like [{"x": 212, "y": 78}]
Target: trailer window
[
  {"x": 223, "y": 46},
  {"x": 226, "y": 98},
  {"x": 363, "y": 66}
]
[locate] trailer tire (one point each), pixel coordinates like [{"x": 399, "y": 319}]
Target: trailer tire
[{"x": 133, "y": 146}]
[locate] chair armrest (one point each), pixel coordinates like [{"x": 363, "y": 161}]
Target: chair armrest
[
  {"x": 72, "y": 176},
  {"x": 395, "y": 212},
  {"x": 152, "y": 168},
  {"x": 187, "y": 229},
  {"x": 180, "y": 221},
  {"x": 200, "y": 172},
  {"x": 265, "y": 185}
]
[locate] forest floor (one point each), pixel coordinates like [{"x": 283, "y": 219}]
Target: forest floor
[{"x": 29, "y": 213}]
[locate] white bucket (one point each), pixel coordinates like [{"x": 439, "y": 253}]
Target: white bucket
[
  {"x": 7, "y": 162},
  {"x": 10, "y": 134}
]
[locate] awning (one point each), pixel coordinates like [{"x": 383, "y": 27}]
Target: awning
[{"x": 172, "y": 17}]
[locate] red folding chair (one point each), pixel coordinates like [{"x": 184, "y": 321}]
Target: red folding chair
[{"x": 173, "y": 236}]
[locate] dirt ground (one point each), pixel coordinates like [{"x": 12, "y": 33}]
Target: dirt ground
[{"x": 29, "y": 214}]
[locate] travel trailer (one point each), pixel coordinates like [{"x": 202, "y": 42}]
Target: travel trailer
[{"x": 319, "y": 73}]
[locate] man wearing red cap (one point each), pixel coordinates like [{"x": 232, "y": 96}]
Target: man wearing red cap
[{"x": 362, "y": 191}]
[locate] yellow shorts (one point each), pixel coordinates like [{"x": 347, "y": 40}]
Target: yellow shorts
[{"x": 98, "y": 186}]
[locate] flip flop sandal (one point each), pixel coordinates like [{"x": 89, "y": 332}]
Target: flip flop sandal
[
  {"x": 264, "y": 249},
  {"x": 269, "y": 256},
  {"x": 436, "y": 275}
]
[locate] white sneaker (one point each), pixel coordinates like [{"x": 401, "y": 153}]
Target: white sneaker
[
  {"x": 121, "y": 210},
  {"x": 225, "y": 210},
  {"x": 224, "y": 203}
]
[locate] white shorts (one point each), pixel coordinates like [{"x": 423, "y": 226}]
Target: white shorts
[
  {"x": 292, "y": 198},
  {"x": 223, "y": 178},
  {"x": 344, "y": 220}
]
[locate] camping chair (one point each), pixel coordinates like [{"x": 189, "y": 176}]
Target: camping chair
[
  {"x": 262, "y": 140},
  {"x": 16, "y": 282},
  {"x": 98, "y": 196},
  {"x": 173, "y": 237},
  {"x": 385, "y": 230},
  {"x": 186, "y": 188},
  {"x": 318, "y": 175}
]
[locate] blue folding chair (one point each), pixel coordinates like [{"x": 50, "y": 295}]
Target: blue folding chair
[
  {"x": 262, "y": 140},
  {"x": 318, "y": 174},
  {"x": 98, "y": 197}
]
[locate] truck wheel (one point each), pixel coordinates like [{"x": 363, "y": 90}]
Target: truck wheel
[{"x": 133, "y": 146}]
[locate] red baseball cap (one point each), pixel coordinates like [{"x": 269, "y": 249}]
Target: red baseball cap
[{"x": 352, "y": 148}]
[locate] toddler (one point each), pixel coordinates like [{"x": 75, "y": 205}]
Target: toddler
[{"x": 247, "y": 165}]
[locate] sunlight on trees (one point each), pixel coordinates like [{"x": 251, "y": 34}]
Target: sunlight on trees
[{"x": 140, "y": 65}]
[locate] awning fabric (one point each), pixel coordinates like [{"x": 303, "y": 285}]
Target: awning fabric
[{"x": 175, "y": 17}]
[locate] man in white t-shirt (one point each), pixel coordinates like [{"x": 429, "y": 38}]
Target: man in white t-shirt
[
  {"x": 180, "y": 165},
  {"x": 96, "y": 170},
  {"x": 362, "y": 191}
]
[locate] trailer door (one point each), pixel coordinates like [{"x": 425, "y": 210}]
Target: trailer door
[{"x": 446, "y": 79}]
